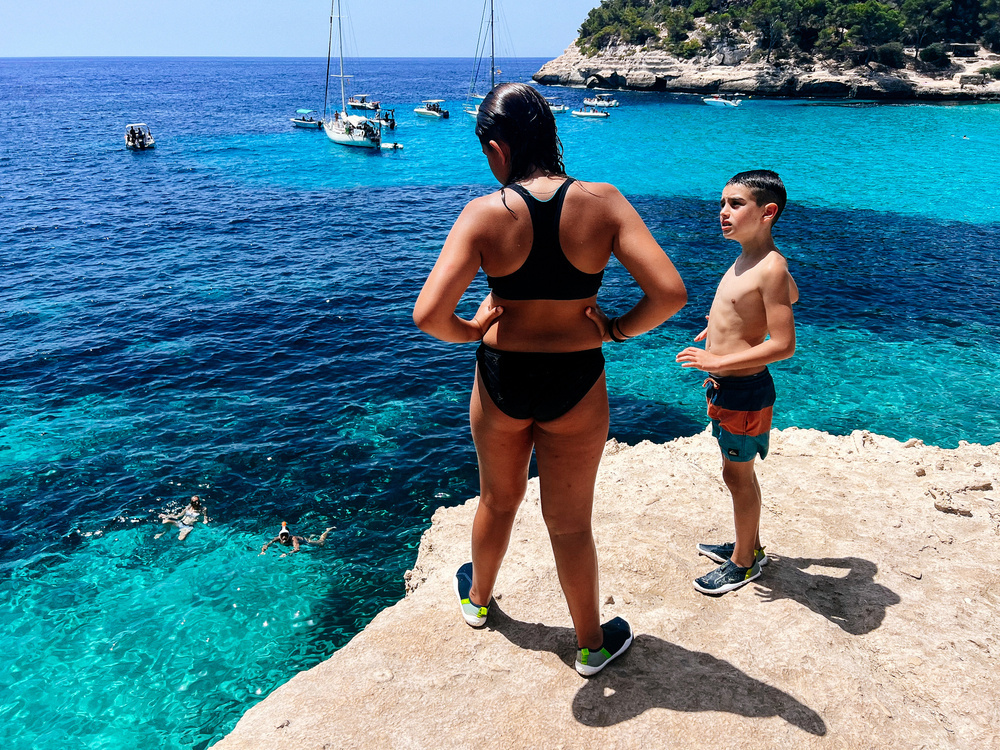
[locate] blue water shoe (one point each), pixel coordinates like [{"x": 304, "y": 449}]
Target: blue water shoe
[
  {"x": 727, "y": 577},
  {"x": 722, "y": 552},
  {"x": 473, "y": 613},
  {"x": 617, "y": 639}
]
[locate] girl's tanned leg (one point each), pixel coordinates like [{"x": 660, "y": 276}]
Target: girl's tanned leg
[
  {"x": 568, "y": 450},
  {"x": 503, "y": 445}
]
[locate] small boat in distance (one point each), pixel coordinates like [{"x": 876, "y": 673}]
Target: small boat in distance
[
  {"x": 138, "y": 137},
  {"x": 722, "y": 100},
  {"x": 361, "y": 101},
  {"x": 304, "y": 120},
  {"x": 601, "y": 100},
  {"x": 385, "y": 117},
  {"x": 556, "y": 106},
  {"x": 592, "y": 112},
  {"x": 432, "y": 108}
]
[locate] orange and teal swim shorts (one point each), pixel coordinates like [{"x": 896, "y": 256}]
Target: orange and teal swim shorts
[{"x": 740, "y": 409}]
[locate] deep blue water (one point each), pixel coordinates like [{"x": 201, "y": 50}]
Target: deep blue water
[{"x": 229, "y": 315}]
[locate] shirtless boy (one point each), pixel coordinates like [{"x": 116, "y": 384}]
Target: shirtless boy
[{"x": 749, "y": 326}]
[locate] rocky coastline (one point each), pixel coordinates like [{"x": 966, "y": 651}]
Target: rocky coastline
[
  {"x": 729, "y": 70},
  {"x": 877, "y": 623}
]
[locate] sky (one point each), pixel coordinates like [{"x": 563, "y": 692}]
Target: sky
[{"x": 290, "y": 28}]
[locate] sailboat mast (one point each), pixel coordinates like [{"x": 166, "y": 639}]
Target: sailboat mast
[
  {"x": 340, "y": 41},
  {"x": 493, "y": 64},
  {"x": 329, "y": 49}
]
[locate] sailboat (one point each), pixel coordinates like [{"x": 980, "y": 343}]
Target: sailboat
[
  {"x": 341, "y": 127},
  {"x": 471, "y": 107}
]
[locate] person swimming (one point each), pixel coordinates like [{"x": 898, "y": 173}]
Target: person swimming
[
  {"x": 187, "y": 518},
  {"x": 288, "y": 539}
]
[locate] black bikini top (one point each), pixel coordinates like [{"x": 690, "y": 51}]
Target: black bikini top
[{"x": 546, "y": 273}]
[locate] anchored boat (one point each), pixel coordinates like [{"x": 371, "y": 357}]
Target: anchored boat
[
  {"x": 432, "y": 108},
  {"x": 305, "y": 119},
  {"x": 601, "y": 100},
  {"x": 138, "y": 137}
]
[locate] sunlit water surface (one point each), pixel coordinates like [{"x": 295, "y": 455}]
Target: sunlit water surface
[{"x": 229, "y": 315}]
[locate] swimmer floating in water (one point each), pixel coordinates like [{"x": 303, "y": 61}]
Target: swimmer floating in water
[
  {"x": 187, "y": 518},
  {"x": 288, "y": 539}
]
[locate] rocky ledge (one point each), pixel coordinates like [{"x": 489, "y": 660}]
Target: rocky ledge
[
  {"x": 875, "y": 625},
  {"x": 727, "y": 71}
]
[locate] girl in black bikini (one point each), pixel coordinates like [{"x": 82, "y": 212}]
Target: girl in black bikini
[{"x": 543, "y": 241}]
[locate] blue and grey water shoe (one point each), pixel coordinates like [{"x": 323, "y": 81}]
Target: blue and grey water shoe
[
  {"x": 473, "y": 613},
  {"x": 727, "y": 577},
  {"x": 722, "y": 552},
  {"x": 617, "y": 639}
]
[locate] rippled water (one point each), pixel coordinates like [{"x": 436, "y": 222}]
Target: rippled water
[{"x": 229, "y": 315}]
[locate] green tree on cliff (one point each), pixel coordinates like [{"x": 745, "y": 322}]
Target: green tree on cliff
[
  {"x": 872, "y": 23},
  {"x": 768, "y": 18},
  {"x": 854, "y": 29},
  {"x": 925, "y": 20}
]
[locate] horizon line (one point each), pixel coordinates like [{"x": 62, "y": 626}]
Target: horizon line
[{"x": 259, "y": 57}]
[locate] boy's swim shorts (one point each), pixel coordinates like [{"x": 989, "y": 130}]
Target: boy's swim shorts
[{"x": 740, "y": 409}]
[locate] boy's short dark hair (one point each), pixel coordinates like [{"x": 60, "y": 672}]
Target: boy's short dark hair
[{"x": 765, "y": 186}]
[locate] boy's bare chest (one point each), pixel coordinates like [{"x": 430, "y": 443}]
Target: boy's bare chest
[{"x": 739, "y": 294}]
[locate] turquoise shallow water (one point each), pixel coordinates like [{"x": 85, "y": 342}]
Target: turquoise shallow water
[{"x": 230, "y": 315}]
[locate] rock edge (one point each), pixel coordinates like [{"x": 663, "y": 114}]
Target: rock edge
[
  {"x": 874, "y": 626},
  {"x": 639, "y": 69}
]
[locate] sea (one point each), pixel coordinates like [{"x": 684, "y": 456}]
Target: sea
[{"x": 229, "y": 315}]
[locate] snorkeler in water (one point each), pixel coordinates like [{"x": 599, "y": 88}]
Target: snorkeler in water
[
  {"x": 187, "y": 518},
  {"x": 288, "y": 539}
]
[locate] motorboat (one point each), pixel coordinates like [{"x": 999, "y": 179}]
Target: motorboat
[
  {"x": 722, "y": 100},
  {"x": 304, "y": 119},
  {"x": 592, "y": 112},
  {"x": 601, "y": 100},
  {"x": 361, "y": 101},
  {"x": 556, "y": 106},
  {"x": 385, "y": 117},
  {"x": 138, "y": 137},
  {"x": 432, "y": 108}
]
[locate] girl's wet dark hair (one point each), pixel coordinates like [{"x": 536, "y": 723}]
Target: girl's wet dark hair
[{"x": 518, "y": 115}]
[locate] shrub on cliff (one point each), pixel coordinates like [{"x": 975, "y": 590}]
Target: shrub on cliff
[
  {"x": 935, "y": 55},
  {"x": 891, "y": 55},
  {"x": 992, "y": 71}
]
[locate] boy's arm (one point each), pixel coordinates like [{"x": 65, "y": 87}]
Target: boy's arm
[
  {"x": 776, "y": 291},
  {"x": 793, "y": 289}
]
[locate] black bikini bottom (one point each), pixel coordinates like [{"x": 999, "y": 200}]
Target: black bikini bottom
[{"x": 538, "y": 385}]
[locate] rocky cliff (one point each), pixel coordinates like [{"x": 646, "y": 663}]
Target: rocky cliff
[
  {"x": 727, "y": 70},
  {"x": 875, "y": 625}
]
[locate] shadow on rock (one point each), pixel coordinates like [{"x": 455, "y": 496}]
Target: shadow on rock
[
  {"x": 854, "y": 601},
  {"x": 657, "y": 674}
]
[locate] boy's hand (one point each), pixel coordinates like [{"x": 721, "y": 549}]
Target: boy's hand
[
  {"x": 704, "y": 332},
  {"x": 602, "y": 321},
  {"x": 699, "y": 358}
]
